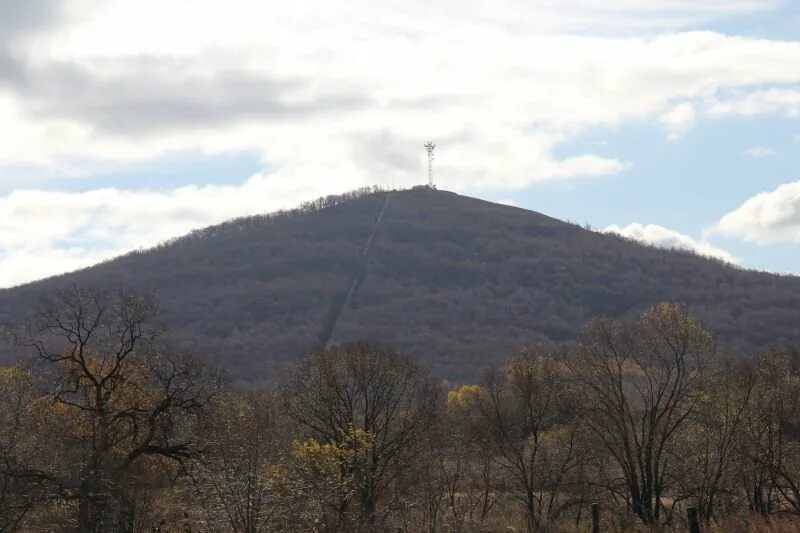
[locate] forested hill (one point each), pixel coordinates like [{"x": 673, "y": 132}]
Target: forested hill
[{"x": 457, "y": 282}]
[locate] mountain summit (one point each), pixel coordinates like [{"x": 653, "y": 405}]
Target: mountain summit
[{"x": 456, "y": 282}]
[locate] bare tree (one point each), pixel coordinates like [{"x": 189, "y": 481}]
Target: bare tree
[
  {"x": 644, "y": 380},
  {"x": 123, "y": 398},
  {"x": 233, "y": 475},
  {"x": 26, "y": 475},
  {"x": 770, "y": 443},
  {"x": 373, "y": 391},
  {"x": 525, "y": 416},
  {"x": 708, "y": 443},
  {"x": 466, "y": 468}
]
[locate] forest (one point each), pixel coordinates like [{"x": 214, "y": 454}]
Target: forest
[
  {"x": 104, "y": 426},
  {"x": 455, "y": 282}
]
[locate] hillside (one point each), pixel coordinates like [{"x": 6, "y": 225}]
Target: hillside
[{"x": 457, "y": 282}]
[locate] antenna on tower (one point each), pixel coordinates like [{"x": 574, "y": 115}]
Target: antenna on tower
[{"x": 429, "y": 146}]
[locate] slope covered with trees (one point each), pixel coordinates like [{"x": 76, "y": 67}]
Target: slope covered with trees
[
  {"x": 455, "y": 282},
  {"x": 643, "y": 420}
]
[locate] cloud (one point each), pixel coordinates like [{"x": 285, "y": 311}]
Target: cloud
[
  {"x": 760, "y": 152},
  {"x": 335, "y": 95},
  {"x": 305, "y": 86},
  {"x": 766, "y": 218},
  {"x": 44, "y": 232},
  {"x": 157, "y": 95},
  {"x": 670, "y": 239},
  {"x": 21, "y": 18},
  {"x": 759, "y": 102},
  {"x": 19, "y": 23},
  {"x": 678, "y": 120},
  {"x": 32, "y": 263},
  {"x": 509, "y": 202}
]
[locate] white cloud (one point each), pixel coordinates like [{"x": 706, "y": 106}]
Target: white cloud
[
  {"x": 44, "y": 233},
  {"x": 759, "y": 102},
  {"x": 678, "y": 120},
  {"x": 760, "y": 151},
  {"x": 31, "y": 263},
  {"x": 336, "y": 95},
  {"x": 766, "y": 218},
  {"x": 116, "y": 25},
  {"x": 306, "y": 83},
  {"x": 670, "y": 239}
]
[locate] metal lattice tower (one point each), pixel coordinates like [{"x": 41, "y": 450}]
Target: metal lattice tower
[{"x": 429, "y": 147}]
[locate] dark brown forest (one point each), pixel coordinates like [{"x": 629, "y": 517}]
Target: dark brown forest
[
  {"x": 453, "y": 282},
  {"x": 109, "y": 428}
]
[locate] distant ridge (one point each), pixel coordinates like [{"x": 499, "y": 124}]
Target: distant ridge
[{"x": 457, "y": 282}]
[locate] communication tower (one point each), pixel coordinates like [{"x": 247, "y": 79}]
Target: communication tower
[{"x": 429, "y": 146}]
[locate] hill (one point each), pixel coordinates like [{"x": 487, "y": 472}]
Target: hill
[{"x": 457, "y": 282}]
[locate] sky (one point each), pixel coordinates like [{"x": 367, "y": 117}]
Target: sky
[{"x": 124, "y": 123}]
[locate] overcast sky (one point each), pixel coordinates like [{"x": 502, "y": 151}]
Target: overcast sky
[{"x": 126, "y": 122}]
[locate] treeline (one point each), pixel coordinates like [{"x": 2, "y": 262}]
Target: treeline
[
  {"x": 245, "y": 223},
  {"x": 241, "y": 224},
  {"x": 111, "y": 430}
]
